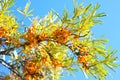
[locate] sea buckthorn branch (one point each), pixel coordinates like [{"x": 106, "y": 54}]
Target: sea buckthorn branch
[
  {"x": 43, "y": 49},
  {"x": 7, "y": 51},
  {"x": 10, "y": 67}
]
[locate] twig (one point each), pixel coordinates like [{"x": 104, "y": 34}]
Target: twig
[
  {"x": 6, "y": 52},
  {"x": 10, "y": 67}
]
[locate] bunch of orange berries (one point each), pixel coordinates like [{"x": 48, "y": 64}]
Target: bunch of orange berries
[
  {"x": 30, "y": 68},
  {"x": 3, "y": 33},
  {"x": 32, "y": 38},
  {"x": 61, "y": 35},
  {"x": 82, "y": 58}
]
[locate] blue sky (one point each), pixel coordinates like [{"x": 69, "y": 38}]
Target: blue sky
[{"x": 110, "y": 26}]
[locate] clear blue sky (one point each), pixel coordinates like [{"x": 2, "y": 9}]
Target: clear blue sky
[{"x": 110, "y": 27}]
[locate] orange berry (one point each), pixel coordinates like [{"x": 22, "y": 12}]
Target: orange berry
[
  {"x": 28, "y": 77},
  {"x": 30, "y": 67},
  {"x": 81, "y": 59},
  {"x": 42, "y": 36}
]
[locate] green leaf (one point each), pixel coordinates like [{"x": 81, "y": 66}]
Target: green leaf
[
  {"x": 5, "y": 4},
  {"x": 95, "y": 9},
  {"x": 65, "y": 15},
  {"x": 29, "y": 12},
  {"x": 25, "y": 11},
  {"x": 72, "y": 69},
  {"x": 99, "y": 15},
  {"x": 110, "y": 67},
  {"x": 87, "y": 9},
  {"x": 26, "y": 7},
  {"x": 78, "y": 10},
  {"x": 97, "y": 21}
]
